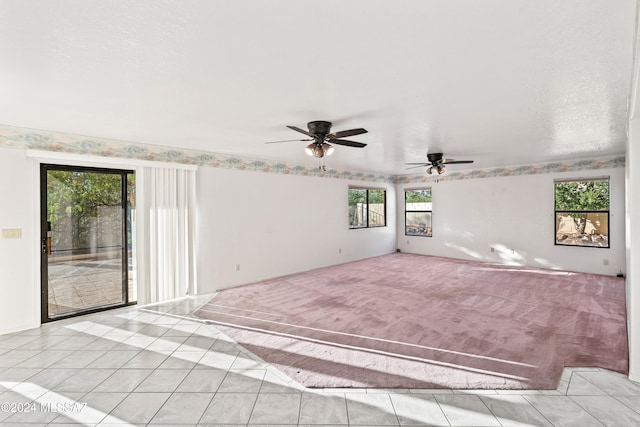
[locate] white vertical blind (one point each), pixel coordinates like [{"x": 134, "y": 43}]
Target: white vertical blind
[{"x": 170, "y": 212}]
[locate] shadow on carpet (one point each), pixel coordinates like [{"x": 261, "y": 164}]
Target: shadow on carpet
[{"x": 415, "y": 321}]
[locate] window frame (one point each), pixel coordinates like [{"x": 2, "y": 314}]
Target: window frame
[
  {"x": 430, "y": 212},
  {"x": 368, "y": 222},
  {"x": 585, "y": 212}
]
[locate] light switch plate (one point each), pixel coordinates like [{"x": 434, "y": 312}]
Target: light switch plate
[{"x": 12, "y": 233}]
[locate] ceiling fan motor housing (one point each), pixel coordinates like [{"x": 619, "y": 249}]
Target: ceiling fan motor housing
[
  {"x": 434, "y": 158},
  {"x": 320, "y": 128}
]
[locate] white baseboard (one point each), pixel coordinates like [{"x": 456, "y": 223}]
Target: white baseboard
[
  {"x": 634, "y": 377},
  {"x": 20, "y": 328}
]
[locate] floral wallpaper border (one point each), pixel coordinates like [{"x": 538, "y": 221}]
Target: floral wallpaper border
[
  {"x": 540, "y": 168},
  {"x": 15, "y": 137}
]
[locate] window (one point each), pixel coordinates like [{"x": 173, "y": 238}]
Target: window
[
  {"x": 417, "y": 212},
  {"x": 582, "y": 212},
  {"x": 367, "y": 207}
]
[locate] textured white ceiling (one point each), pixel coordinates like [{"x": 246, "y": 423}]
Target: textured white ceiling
[{"x": 502, "y": 82}]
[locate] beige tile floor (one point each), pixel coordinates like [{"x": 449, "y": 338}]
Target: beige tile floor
[{"x": 158, "y": 366}]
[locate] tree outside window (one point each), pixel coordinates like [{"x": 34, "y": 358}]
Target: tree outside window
[
  {"x": 367, "y": 207},
  {"x": 582, "y": 212}
]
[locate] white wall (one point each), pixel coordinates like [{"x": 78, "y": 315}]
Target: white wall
[
  {"x": 301, "y": 224},
  {"x": 633, "y": 248},
  {"x": 19, "y": 269},
  {"x": 272, "y": 225},
  {"x": 515, "y": 216}
]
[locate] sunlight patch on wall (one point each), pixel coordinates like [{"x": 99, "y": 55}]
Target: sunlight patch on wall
[
  {"x": 546, "y": 263},
  {"x": 509, "y": 256},
  {"x": 464, "y": 250}
]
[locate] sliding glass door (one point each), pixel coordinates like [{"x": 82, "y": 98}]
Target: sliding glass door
[{"x": 87, "y": 240}]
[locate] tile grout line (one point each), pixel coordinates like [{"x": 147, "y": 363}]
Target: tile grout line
[
  {"x": 152, "y": 371},
  {"x": 346, "y": 403},
  {"x": 536, "y": 409},
  {"x": 443, "y": 412},
  {"x": 490, "y": 411},
  {"x": 192, "y": 369},
  {"x": 395, "y": 412},
  {"x": 586, "y": 409},
  {"x": 129, "y": 393}
]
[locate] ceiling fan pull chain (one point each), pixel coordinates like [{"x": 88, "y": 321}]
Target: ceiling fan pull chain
[{"x": 321, "y": 165}]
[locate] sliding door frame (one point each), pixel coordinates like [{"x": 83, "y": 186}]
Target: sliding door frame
[{"x": 44, "y": 262}]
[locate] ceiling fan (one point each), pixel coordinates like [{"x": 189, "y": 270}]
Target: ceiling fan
[
  {"x": 436, "y": 163},
  {"x": 321, "y": 138}
]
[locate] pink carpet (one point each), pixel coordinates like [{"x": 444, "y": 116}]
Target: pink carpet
[{"x": 414, "y": 321}]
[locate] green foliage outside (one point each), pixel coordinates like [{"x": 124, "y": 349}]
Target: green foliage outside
[
  {"x": 418, "y": 196},
  {"x": 76, "y": 204},
  {"x": 376, "y": 196},
  {"x": 359, "y": 200},
  {"x": 80, "y": 193},
  {"x": 357, "y": 195},
  {"x": 582, "y": 196}
]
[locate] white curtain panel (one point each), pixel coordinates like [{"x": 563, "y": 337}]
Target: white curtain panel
[{"x": 170, "y": 215}]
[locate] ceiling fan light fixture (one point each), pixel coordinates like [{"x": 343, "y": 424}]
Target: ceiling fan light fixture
[
  {"x": 316, "y": 150},
  {"x": 436, "y": 163},
  {"x": 319, "y": 133},
  {"x": 310, "y": 149}
]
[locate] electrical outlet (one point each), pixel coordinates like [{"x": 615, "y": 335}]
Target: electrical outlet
[
  {"x": 237, "y": 267},
  {"x": 605, "y": 262},
  {"x": 493, "y": 249}
]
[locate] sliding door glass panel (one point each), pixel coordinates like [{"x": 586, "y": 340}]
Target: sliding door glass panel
[{"x": 88, "y": 244}]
